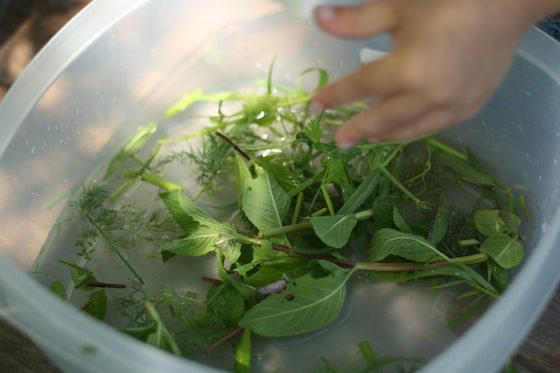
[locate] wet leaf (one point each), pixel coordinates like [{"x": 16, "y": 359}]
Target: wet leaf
[
  {"x": 264, "y": 201},
  {"x": 507, "y": 252},
  {"x": 307, "y": 304},
  {"x": 137, "y": 141},
  {"x": 389, "y": 241},
  {"x": 334, "y": 231}
]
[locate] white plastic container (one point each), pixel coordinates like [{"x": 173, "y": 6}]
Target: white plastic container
[{"x": 119, "y": 64}]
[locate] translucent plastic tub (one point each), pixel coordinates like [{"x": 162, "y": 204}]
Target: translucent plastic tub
[{"x": 120, "y": 64}]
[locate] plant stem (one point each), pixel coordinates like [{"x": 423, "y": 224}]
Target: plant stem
[
  {"x": 114, "y": 248},
  {"x": 327, "y": 199},
  {"x": 297, "y": 208},
  {"x": 387, "y": 267},
  {"x": 445, "y": 148},
  {"x": 225, "y": 338},
  {"x": 150, "y": 178},
  {"x": 401, "y": 187}
]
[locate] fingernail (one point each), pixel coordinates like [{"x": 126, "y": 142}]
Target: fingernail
[{"x": 325, "y": 13}]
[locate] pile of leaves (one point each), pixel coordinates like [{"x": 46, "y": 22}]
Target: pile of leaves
[{"x": 307, "y": 216}]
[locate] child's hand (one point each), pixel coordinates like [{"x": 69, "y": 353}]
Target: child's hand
[{"x": 448, "y": 58}]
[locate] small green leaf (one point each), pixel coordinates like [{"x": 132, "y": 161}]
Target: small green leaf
[
  {"x": 388, "y": 242},
  {"x": 198, "y": 243},
  {"x": 225, "y": 302},
  {"x": 97, "y": 306},
  {"x": 184, "y": 210},
  {"x": 57, "y": 288},
  {"x": 491, "y": 222},
  {"x": 193, "y": 97},
  {"x": 361, "y": 194},
  {"x": 242, "y": 362},
  {"x": 440, "y": 224},
  {"x": 323, "y": 79},
  {"x": 507, "y": 252},
  {"x": 334, "y": 231},
  {"x": 399, "y": 221},
  {"x": 307, "y": 304},
  {"x": 140, "y": 138}
]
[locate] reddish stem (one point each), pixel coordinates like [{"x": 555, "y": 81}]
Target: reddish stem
[
  {"x": 225, "y": 338},
  {"x": 98, "y": 284}
]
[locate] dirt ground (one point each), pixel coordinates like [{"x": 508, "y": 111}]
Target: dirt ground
[{"x": 25, "y": 27}]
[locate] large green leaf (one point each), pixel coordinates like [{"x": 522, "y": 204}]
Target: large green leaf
[
  {"x": 334, "y": 230},
  {"x": 387, "y": 241},
  {"x": 507, "y": 252},
  {"x": 264, "y": 202},
  {"x": 307, "y": 304}
]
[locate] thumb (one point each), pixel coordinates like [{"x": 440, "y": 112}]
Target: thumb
[{"x": 358, "y": 21}]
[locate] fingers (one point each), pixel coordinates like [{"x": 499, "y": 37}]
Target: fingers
[
  {"x": 364, "y": 20},
  {"x": 426, "y": 125},
  {"x": 385, "y": 117},
  {"x": 374, "y": 79}
]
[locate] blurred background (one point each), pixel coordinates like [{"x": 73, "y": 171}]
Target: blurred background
[{"x": 25, "y": 27}]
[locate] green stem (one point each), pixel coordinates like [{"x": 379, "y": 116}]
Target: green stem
[
  {"x": 285, "y": 229},
  {"x": 388, "y": 267},
  {"x": 297, "y": 208},
  {"x": 401, "y": 187},
  {"x": 150, "y": 178},
  {"x": 445, "y": 148},
  {"x": 399, "y": 267},
  {"x": 327, "y": 199},
  {"x": 114, "y": 248}
]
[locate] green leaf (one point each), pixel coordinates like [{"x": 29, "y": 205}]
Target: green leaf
[
  {"x": 496, "y": 222},
  {"x": 469, "y": 171},
  {"x": 264, "y": 201},
  {"x": 440, "y": 224},
  {"x": 307, "y": 304},
  {"x": 198, "y": 243},
  {"x": 361, "y": 194},
  {"x": 225, "y": 302},
  {"x": 97, "y": 306},
  {"x": 193, "y": 97},
  {"x": 185, "y": 212},
  {"x": 323, "y": 79},
  {"x": 507, "y": 252},
  {"x": 383, "y": 212},
  {"x": 334, "y": 231},
  {"x": 399, "y": 221},
  {"x": 57, "y": 288},
  {"x": 242, "y": 361},
  {"x": 387, "y": 241},
  {"x": 140, "y": 138},
  {"x": 80, "y": 275}
]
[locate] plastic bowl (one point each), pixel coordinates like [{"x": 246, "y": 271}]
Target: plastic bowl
[{"x": 120, "y": 64}]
